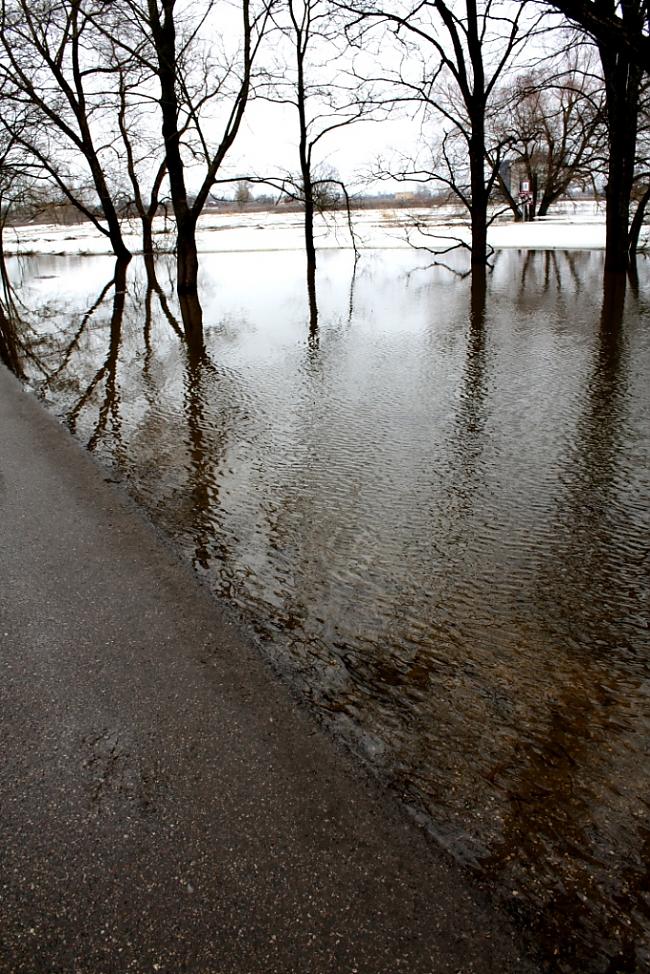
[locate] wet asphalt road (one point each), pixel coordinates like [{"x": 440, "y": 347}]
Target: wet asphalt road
[{"x": 164, "y": 804}]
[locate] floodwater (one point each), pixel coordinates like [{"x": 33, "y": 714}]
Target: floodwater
[{"x": 434, "y": 514}]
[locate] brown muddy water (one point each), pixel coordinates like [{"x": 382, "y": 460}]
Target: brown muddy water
[{"x": 434, "y": 513}]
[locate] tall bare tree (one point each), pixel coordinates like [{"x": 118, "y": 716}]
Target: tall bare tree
[
  {"x": 609, "y": 23},
  {"x": 313, "y": 81},
  {"x": 202, "y": 89},
  {"x": 142, "y": 155},
  {"x": 555, "y": 118},
  {"x": 620, "y": 30},
  {"x": 58, "y": 101},
  {"x": 623, "y": 91},
  {"x": 466, "y": 47}
]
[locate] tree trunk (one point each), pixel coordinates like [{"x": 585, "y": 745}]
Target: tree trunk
[
  {"x": 187, "y": 271},
  {"x": 147, "y": 235},
  {"x": 637, "y": 224},
  {"x": 187, "y": 258},
  {"x": 478, "y": 188},
  {"x": 551, "y": 196},
  {"x": 122, "y": 253},
  {"x": 475, "y": 101},
  {"x": 534, "y": 183},
  {"x": 479, "y": 232},
  {"x": 478, "y": 289},
  {"x": 118, "y": 302},
  {"x": 622, "y": 83},
  {"x": 304, "y": 154},
  {"x": 617, "y": 215},
  {"x": 310, "y": 251},
  {"x": 611, "y": 319},
  {"x": 192, "y": 315},
  {"x": 512, "y": 203},
  {"x": 187, "y": 261}
]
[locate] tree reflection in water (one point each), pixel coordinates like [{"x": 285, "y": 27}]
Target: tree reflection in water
[
  {"x": 10, "y": 350},
  {"x": 562, "y": 825},
  {"x": 428, "y": 507}
]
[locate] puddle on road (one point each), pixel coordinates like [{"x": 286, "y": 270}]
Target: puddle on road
[{"x": 435, "y": 515}]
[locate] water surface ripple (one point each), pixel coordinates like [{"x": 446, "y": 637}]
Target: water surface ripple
[{"x": 435, "y": 515}]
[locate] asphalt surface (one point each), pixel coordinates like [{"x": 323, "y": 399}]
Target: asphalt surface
[{"x": 164, "y": 804}]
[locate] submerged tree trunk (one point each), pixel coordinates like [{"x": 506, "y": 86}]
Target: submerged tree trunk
[
  {"x": 310, "y": 251},
  {"x": 611, "y": 318},
  {"x": 476, "y": 104},
  {"x": 187, "y": 270},
  {"x": 617, "y": 195},
  {"x": 146, "y": 222},
  {"x": 479, "y": 233},
  {"x": 187, "y": 259},
  {"x": 478, "y": 291},
  {"x": 147, "y": 237},
  {"x": 174, "y": 86},
  {"x": 192, "y": 316},
  {"x": 304, "y": 153}
]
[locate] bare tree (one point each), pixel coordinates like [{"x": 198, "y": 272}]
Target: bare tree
[
  {"x": 641, "y": 186},
  {"x": 313, "y": 82},
  {"x": 464, "y": 49},
  {"x": 57, "y": 99},
  {"x": 620, "y": 30},
  {"x": 142, "y": 155},
  {"x": 609, "y": 23},
  {"x": 623, "y": 88},
  {"x": 196, "y": 80},
  {"x": 555, "y": 119}
]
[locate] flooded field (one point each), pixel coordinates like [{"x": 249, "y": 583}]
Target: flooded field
[{"x": 433, "y": 511}]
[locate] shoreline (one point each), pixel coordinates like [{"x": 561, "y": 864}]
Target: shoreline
[
  {"x": 578, "y": 227},
  {"x": 167, "y": 803}
]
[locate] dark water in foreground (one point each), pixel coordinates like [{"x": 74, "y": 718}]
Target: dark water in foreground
[{"x": 435, "y": 515}]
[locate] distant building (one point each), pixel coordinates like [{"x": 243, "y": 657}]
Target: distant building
[{"x": 515, "y": 177}]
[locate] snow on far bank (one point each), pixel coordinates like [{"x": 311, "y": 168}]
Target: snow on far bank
[{"x": 573, "y": 226}]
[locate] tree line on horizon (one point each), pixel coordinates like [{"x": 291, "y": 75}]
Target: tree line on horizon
[{"x": 114, "y": 106}]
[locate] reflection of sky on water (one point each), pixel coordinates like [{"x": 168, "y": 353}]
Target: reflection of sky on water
[{"x": 435, "y": 516}]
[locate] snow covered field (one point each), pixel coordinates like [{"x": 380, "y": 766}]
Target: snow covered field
[{"x": 571, "y": 226}]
